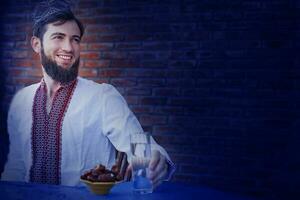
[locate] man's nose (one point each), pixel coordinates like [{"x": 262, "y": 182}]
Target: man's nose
[{"x": 67, "y": 46}]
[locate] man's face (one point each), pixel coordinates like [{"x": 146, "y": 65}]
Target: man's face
[{"x": 60, "y": 51}]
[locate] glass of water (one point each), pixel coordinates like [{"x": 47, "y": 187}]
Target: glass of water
[{"x": 140, "y": 159}]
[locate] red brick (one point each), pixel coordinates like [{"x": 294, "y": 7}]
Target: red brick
[
  {"x": 92, "y": 29},
  {"x": 96, "y": 63},
  {"x": 153, "y": 101},
  {"x": 88, "y": 20},
  {"x": 26, "y": 81},
  {"x": 123, "y": 82},
  {"x": 90, "y": 38},
  {"x": 83, "y": 46},
  {"x": 124, "y": 63},
  {"x": 15, "y": 54},
  {"x": 140, "y": 18},
  {"x": 142, "y": 73},
  {"x": 126, "y": 28},
  {"x": 131, "y": 100},
  {"x": 184, "y": 101},
  {"x": 14, "y": 19},
  {"x": 141, "y": 109},
  {"x": 115, "y": 55},
  {"x": 139, "y": 91},
  {"x": 138, "y": 37},
  {"x": 154, "y": 64},
  {"x": 34, "y": 56},
  {"x": 110, "y": 19},
  {"x": 185, "y": 158},
  {"x": 107, "y": 10},
  {"x": 22, "y": 63},
  {"x": 24, "y": 27},
  {"x": 169, "y": 110},
  {"x": 35, "y": 72},
  {"x": 13, "y": 72},
  {"x": 7, "y": 99},
  {"x": 5, "y": 62},
  {"x": 36, "y": 63},
  {"x": 157, "y": 45},
  {"x": 7, "y": 45},
  {"x": 166, "y": 92},
  {"x": 128, "y": 45},
  {"x": 140, "y": 55},
  {"x": 111, "y": 38},
  {"x": 111, "y": 73},
  {"x": 152, "y": 119},
  {"x": 102, "y": 80},
  {"x": 19, "y": 54},
  {"x": 100, "y": 46},
  {"x": 88, "y": 72},
  {"x": 89, "y": 55},
  {"x": 183, "y": 64},
  {"x": 151, "y": 82},
  {"x": 18, "y": 37},
  {"x": 23, "y": 45},
  {"x": 171, "y": 129}
]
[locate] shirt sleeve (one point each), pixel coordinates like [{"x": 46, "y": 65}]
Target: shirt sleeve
[
  {"x": 14, "y": 169},
  {"x": 171, "y": 170},
  {"x": 119, "y": 121}
]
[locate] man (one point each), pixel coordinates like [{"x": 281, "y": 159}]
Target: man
[{"x": 65, "y": 124}]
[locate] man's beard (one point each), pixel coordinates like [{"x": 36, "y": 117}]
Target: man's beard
[{"x": 58, "y": 73}]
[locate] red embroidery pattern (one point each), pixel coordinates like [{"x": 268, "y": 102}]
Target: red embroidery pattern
[{"x": 46, "y": 134}]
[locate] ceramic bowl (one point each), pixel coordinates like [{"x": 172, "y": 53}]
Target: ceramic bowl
[{"x": 101, "y": 188}]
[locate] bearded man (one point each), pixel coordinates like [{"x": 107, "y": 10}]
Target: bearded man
[{"x": 65, "y": 124}]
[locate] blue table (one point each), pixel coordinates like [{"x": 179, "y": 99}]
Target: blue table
[{"x": 172, "y": 191}]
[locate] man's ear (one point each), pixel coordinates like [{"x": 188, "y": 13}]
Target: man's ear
[{"x": 36, "y": 44}]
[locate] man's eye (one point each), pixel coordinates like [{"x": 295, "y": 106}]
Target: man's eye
[
  {"x": 58, "y": 37},
  {"x": 77, "y": 40}
]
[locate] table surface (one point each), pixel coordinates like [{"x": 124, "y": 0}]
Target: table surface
[{"x": 122, "y": 191}]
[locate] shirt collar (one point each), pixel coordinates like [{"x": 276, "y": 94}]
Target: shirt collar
[{"x": 62, "y": 85}]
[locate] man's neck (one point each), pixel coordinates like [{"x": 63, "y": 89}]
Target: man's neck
[{"x": 52, "y": 85}]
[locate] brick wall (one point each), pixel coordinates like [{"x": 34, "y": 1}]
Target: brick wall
[{"x": 216, "y": 82}]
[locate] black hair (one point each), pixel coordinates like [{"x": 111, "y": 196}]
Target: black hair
[{"x": 56, "y": 12}]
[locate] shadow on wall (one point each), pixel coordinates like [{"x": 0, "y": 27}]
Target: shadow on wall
[
  {"x": 285, "y": 184},
  {"x": 3, "y": 131},
  {"x": 3, "y": 108}
]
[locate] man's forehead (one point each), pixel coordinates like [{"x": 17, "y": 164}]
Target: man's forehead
[{"x": 68, "y": 28}]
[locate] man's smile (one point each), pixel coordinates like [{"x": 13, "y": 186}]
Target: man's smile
[{"x": 64, "y": 59}]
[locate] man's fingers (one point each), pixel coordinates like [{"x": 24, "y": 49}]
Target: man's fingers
[
  {"x": 154, "y": 159},
  {"x": 158, "y": 169},
  {"x": 160, "y": 177},
  {"x": 128, "y": 173}
]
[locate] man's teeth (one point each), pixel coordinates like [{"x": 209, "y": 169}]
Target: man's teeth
[{"x": 65, "y": 57}]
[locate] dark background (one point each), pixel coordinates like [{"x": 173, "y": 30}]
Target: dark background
[{"x": 215, "y": 81}]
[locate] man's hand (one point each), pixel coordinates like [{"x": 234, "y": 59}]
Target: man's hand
[{"x": 158, "y": 168}]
